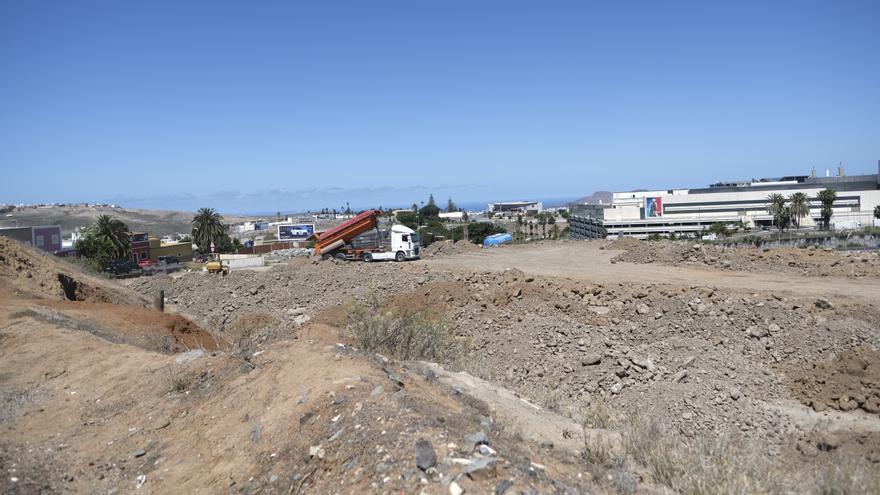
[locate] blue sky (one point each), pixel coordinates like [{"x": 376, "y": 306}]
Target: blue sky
[{"x": 280, "y": 106}]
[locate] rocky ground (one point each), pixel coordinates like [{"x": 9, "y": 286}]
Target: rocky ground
[
  {"x": 551, "y": 364},
  {"x": 449, "y": 248},
  {"x": 713, "y": 358},
  {"x": 812, "y": 261}
]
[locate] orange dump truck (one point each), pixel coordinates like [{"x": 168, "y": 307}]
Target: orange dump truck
[{"x": 401, "y": 243}]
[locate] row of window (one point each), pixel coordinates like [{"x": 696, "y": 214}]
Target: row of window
[{"x": 40, "y": 240}]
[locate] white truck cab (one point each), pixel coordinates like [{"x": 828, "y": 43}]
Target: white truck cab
[{"x": 404, "y": 246}]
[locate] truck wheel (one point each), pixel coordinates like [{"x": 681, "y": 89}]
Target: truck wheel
[
  {"x": 340, "y": 256},
  {"x": 327, "y": 257},
  {"x": 401, "y": 256},
  {"x": 368, "y": 257}
]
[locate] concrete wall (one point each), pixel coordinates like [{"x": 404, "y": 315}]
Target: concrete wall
[
  {"x": 242, "y": 261},
  {"x": 43, "y": 237},
  {"x": 20, "y": 234}
]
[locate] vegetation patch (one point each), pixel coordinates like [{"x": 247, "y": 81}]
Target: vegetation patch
[{"x": 405, "y": 335}]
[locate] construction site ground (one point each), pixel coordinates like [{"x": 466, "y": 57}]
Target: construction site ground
[{"x": 252, "y": 382}]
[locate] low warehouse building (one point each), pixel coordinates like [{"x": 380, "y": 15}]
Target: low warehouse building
[{"x": 44, "y": 237}]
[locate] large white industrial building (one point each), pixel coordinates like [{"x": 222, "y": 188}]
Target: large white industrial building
[
  {"x": 643, "y": 213},
  {"x": 515, "y": 207}
]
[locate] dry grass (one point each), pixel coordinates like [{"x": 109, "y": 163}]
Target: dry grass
[
  {"x": 178, "y": 382},
  {"x": 720, "y": 465},
  {"x": 248, "y": 329},
  {"x": 597, "y": 415},
  {"x": 405, "y": 335},
  {"x": 703, "y": 465},
  {"x": 600, "y": 451},
  {"x": 845, "y": 475}
]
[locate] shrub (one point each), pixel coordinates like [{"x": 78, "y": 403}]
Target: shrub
[
  {"x": 405, "y": 335},
  {"x": 478, "y": 231},
  {"x": 597, "y": 415},
  {"x": 178, "y": 381},
  {"x": 700, "y": 466},
  {"x": 847, "y": 474},
  {"x": 720, "y": 229},
  {"x": 599, "y": 451}
]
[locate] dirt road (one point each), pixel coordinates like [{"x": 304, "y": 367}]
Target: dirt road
[{"x": 586, "y": 261}]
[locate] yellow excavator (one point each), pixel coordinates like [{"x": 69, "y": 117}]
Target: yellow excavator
[{"x": 217, "y": 266}]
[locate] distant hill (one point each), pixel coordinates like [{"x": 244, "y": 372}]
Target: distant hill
[
  {"x": 156, "y": 222},
  {"x": 595, "y": 198}
]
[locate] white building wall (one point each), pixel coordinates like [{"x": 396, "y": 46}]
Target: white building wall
[{"x": 747, "y": 204}]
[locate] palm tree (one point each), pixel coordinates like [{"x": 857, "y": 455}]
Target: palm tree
[
  {"x": 827, "y": 197},
  {"x": 799, "y": 206},
  {"x": 112, "y": 232},
  {"x": 776, "y": 208},
  {"x": 207, "y": 227}
]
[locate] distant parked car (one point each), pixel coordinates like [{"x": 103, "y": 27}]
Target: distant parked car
[
  {"x": 122, "y": 267},
  {"x": 168, "y": 260},
  {"x": 146, "y": 263}
]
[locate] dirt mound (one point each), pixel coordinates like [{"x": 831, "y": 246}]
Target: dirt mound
[
  {"x": 624, "y": 243},
  {"x": 33, "y": 272},
  {"x": 808, "y": 261},
  {"x": 848, "y": 382},
  {"x": 449, "y": 248},
  {"x": 299, "y": 416}
]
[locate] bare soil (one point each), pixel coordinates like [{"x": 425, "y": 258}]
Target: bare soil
[
  {"x": 812, "y": 262},
  {"x": 558, "y": 333},
  {"x": 848, "y": 382}
]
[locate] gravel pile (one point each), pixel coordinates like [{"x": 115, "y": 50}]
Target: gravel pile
[
  {"x": 704, "y": 359},
  {"x": 809, "y": 261},
  {"x": 446, "y": 248},
  {"x": 287, "y": 254}
]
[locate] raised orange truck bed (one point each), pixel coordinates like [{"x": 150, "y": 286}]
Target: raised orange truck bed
[{"x": 343, "y": 233}]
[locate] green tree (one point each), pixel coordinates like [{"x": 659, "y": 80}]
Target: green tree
[
  {"x": 227, "y": 244},
  {"x": 207, "y": 227},
  {"x": 450, "y": 206},
  {"x": 464, "y": 216},
  {"x": 408, "y": 218},
  {"x": 430, "y": 210},
  {"x": 720, "y": 229},
  {"x": 799, "y": 205},
  {"x": 110, "y": 231},
  {"x": 431, "y": 230},
  {"x": 877, "y": 211},
  {"x": 776, "y": 208},
  {"x": 431, "y": 200},
  {"x": 96, "y": 253},
  {"x": 786, "y": 218},
  {"x": 478, "y": 231},
  {"x": 827, "y": 197}
]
